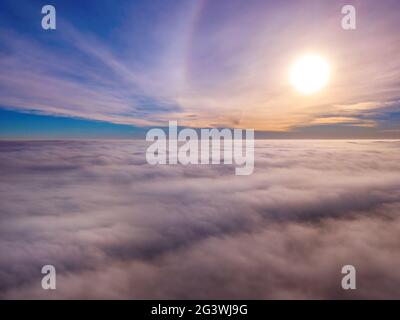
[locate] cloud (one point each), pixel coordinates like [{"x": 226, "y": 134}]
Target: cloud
[{"x": 115, "y": 227}]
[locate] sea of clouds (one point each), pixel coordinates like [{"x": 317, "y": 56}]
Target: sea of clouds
[{"x": 116, "y": 227}]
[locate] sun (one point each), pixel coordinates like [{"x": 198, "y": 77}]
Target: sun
[{"x": 309, "y": 74}]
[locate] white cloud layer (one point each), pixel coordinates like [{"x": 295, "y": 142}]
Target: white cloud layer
[{"x": 115, "y": 227}]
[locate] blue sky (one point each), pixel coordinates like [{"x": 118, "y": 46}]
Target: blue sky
[
  {"x": 112, "y": 69},
  {"x": 24, "y": 125}
]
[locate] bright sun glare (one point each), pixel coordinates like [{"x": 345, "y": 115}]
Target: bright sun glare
[{"x": 309, "y": 74}]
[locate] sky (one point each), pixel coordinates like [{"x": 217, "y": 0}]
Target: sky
[{"x": 113, "y": 70}]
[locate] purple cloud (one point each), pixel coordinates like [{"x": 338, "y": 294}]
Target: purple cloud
[{"x": 115, "y": 227}]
